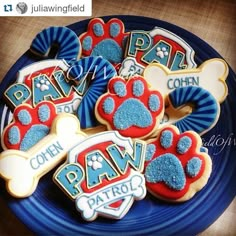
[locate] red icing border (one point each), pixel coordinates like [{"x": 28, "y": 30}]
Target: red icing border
[
  {"x": 134, "y": 131},
  {"x": 119, "y": 39},
  {"x": 24, "y": 128},
  {"x": 161, "y": 189}
]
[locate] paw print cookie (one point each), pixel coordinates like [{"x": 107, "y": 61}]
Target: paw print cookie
[
  {"x": 29, "y": 126},
  {"x": 176, "y": 167},
  {"x": 130, "y": 107},
  {"x": 104, "y": 39}
]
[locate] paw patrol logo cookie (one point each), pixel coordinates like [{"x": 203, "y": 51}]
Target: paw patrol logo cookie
[
  {"x": 73, "y": 89},
  {"x": 44, "y": 80},
  {"x": 103, "y": 175},
  {"x": 158, "y": 45}
]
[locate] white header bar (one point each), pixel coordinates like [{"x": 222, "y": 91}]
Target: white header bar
[{"x": 46, "y": 8}]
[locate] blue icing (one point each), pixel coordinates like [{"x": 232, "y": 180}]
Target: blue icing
[
  {"x": 24, "y": 117},
  {"x": 138, "y": 88},
  {"x": 95, "y": 175},
  {"x": 66, "y": 177},
  {"x": 14, "y": 135},
  {"x": 65, "y": 38},
  {"x": 203, "y": 149},
  {"x": 109, "y": 50},
  {"x": 114, "y": 30},
  {"x": 150, "y": 150},
  {"x": 132, "y": 112},
  {"x": 166, "y": 139},
  {"x": 43, "y": 88},
  {"x": 98, "y": 29},
  {"x": 44, "y": 113},
  {"x": 168, "y": 169},
  {"x": 108, "y": 105},
  {"x": 184, "y": 144},
  {"x": 120, "y": 89},
  {"x": 87, "y": 43},
  {"x": 153, "y": 103},
  {"x": 193, "y": 166},
  {"x": 34, "y": 135}
]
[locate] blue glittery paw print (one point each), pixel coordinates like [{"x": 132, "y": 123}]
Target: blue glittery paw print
[
  {"x": 173, "y": 162},
  {"x": 130, "y": 107},
  {"x": 30, "y": 125},
  {"x": 104, "y": 39}
]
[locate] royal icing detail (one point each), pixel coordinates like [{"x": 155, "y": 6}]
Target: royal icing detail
[
  {"x": 130, "y": 107},
  {"x": 44, "y": 80},
  {"x": 62, "y": 38},
  {"x": 204, "y": 112},
  {"x": 73, "y": 89},
  {"x": 176, "y": 167},
  {"x": 22, "y": 170},
  {"x": 29, "y": 126},
  {"x": 104, "y": 39},
  {"x": 158, "y": 45},
  {"x": 210, "y": 75},
  {"x": 92, "y": 74},
  {"x": 103, "y": 175}
]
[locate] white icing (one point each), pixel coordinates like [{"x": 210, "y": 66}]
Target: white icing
[
  {"x": 22, "y": 170},
  {"x": 179, "y": 40},
  {"x": 112, "y": 136},
  {"x": 211, "y": 76},
  {"x": 39, "y": 66}
]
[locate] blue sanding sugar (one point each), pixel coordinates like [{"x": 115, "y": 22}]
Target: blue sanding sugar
[
  {"x": 166, "y": 139},
  {"x": 193, "y": 166},
  {"x": 184, "y": 144},
  {"x": 168, "y": 169},
  {"x": 150, "y": 150},
  {"x": 24, "y": 117},
  {"x": 132, "y": 112}
]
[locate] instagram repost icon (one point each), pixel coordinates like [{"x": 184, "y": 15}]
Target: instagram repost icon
[{"x": 21, "y": 8}]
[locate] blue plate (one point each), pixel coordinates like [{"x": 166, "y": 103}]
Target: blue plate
[{"x": 49, "y": 211}]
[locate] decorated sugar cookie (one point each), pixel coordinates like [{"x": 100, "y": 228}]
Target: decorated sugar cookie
[
  {"x": 64, "y": 40},
  {"x": 91, "y": 75},
  {"x": 29, "y": 126},
  {"x": 130, "y": 107},
  {"x": 73, "y": 89},
  {"x": 203, "y": 114},
  {"x": 158, "y": 45},
  {"x": 44, "y": 80},
  {"x": 22, "y": 170},
  {"x": 176, "y": 167},
  {"x": 210, "y": 75},
  {"x": 104, "y": 39},
  {"x": 103, "y": 175}
]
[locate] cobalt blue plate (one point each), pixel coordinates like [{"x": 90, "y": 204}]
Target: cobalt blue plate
[{"x": 49, "y": 211}]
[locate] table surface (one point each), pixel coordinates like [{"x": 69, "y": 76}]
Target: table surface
[{"x": 214, "y": 21}]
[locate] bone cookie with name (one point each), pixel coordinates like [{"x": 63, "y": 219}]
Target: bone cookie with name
[
  {"x": 158, "y": 45},
  {"x": 23, "y": 170},
  {"x": 210, "y": 75},
  {"x": 176, "y": 166},
  {"x": 102, "y": 175},
  {"x": 29, "y": 126},
  {"x": 57, "y": 42},
  {"x": 130, "y": 107}
]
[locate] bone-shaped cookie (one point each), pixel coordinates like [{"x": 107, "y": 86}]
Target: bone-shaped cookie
[
  {"x": 90, "y": 208},
  {"x": 211, "y": 75},
  {"x": 22, "y": 170}
]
